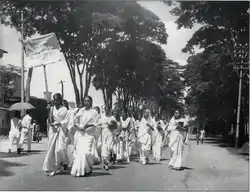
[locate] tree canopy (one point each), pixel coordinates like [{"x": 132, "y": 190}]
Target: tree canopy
[
  {"x": 112, "y": 43},
  {"x": 211, "y": 75}
]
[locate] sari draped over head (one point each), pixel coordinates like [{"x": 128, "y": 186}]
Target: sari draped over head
[
  {"x": 126, "y": 123},
  {"x": 157, "y": 139},
  {"x": 126, "y": 126},
  {"x": 84, "y": 141},
  {"x": 144, "y": 131},
  {"x": 56, "y": 154},
  {"x": 176, "y": 142},
  {"x": 107, "y": 142}
]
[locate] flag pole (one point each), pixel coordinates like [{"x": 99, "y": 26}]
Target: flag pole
[
  {"x": 22, "y": 77},
  {"x": 46, "y": 83},
  {"x": 22, "y": 58}
]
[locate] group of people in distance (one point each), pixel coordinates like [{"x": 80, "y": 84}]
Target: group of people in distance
[{"x": 81, "y": 138}]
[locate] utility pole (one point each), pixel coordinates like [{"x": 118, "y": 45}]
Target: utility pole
[
  {"x": 240, "y": 56},
  {"x": 243, "y": 68},
  {"x": 62, "y": 87}
]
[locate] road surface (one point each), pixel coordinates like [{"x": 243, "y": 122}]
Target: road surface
[{"x": 208, "y": 167}]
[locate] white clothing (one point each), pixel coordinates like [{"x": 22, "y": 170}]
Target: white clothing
[
  {"x": 145, "y": 138},
  {"x": 157, "y": 140},
  {"x": 84, "y": 142},
  {"x": 14, "y": 133},
  {"x": 56, "y": 154},
  {"x": 202, "y": 134},
  {"x": 176, "y": 142},
  {"x": 107, "y": 142},
  {"x": 25, "y": 131},
  {"x": 127, "y": 125}
]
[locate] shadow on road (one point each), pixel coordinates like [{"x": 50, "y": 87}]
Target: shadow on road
[
  {"x": 15, "y": 154},
  {"x": 96, "y": 174},
  {"x": 186, "y": 168},
  {"x": 4, "y": 165},
  {"x": 153, "y": 163},
  {"x": 218, "y": 141},
  {"x": 116, "y": 167},
  {"x": 165, "y": 159}
]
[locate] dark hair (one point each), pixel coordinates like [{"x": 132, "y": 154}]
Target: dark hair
[
  {"x": 28, "y": 111},
  {"x": 65, "y": 104},
  {"x": 58, "y": 95},
  {"x": 90, "y": 98},
  {"x": 178, "y": 111},
  {"x": 15, "y": 114},
  {"x": 97, "y": 109}
]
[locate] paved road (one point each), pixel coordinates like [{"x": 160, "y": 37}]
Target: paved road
[{"x": 208, "y": 167}]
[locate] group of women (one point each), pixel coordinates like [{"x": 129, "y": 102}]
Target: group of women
[{"x": 82, "y": 137}]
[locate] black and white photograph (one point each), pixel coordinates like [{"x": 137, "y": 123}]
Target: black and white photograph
[{"x": 99, "y": 95}]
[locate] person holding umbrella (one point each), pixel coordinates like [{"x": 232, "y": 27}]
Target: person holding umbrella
[{"x": 25, "y": 130}]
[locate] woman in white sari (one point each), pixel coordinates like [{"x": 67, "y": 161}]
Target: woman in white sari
[
  {"x": 157, "y": 138},
  {"x": 98, "y": 132},
  {"x": 177, "y": 130},
  {"x": 56, "y": 155},
  {"x": 126, "y": 125},
  {"x": 108, "y": 125},
  {"x": 144, "y": 136},
  {"x": 84, "y": 140},
  {"x": 71, "y": 133}
]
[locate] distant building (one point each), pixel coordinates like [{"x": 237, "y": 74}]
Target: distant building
[{"x": 13, "y": 88}]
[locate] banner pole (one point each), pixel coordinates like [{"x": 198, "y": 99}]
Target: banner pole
[{"x": 46, "y": 83}]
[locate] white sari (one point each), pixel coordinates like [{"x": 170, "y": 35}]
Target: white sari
[
  {"x": 107, "y": 136},
  {"x": 56, "y": 154},
  {"x": 126, "y": 125},
  {"x": 145, "y": 138},
  {"x": 70, "y": 140},
  {"x": 176, "y": 142},
  {"x": 157, "y": 140},
  {"x": 84, "y": 142}
]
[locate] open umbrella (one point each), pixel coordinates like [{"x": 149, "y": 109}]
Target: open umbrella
[{"x": 21, "y": 106}]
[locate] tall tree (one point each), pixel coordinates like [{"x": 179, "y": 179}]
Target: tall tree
[{"x": 211, "y": 76}]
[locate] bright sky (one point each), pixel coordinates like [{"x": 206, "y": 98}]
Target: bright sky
[{"x": 10, "y": 42}]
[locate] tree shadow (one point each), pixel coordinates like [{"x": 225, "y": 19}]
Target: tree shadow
[
  {"x": 220, "y": 142},
  {"x": 4, "y": 165},
  {"x": 15, "y": 154}
]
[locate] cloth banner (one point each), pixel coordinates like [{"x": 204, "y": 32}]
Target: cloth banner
[{"x": 42, "y": 50}]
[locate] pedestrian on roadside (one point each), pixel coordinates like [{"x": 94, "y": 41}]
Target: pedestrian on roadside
[
  {"x": 26, "y": 127},
  {"x": 14, "y": 134},
  {"x": 202, "y": 135}
]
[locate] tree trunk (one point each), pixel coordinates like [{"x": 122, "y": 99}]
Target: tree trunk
[
  {"x": 71, "y": 68},
  {"x": 28, "y": 81},
  {"x": 87, "y": 83}
]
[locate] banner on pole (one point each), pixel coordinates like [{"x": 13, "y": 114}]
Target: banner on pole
[{"x": 42, "y": 50}]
